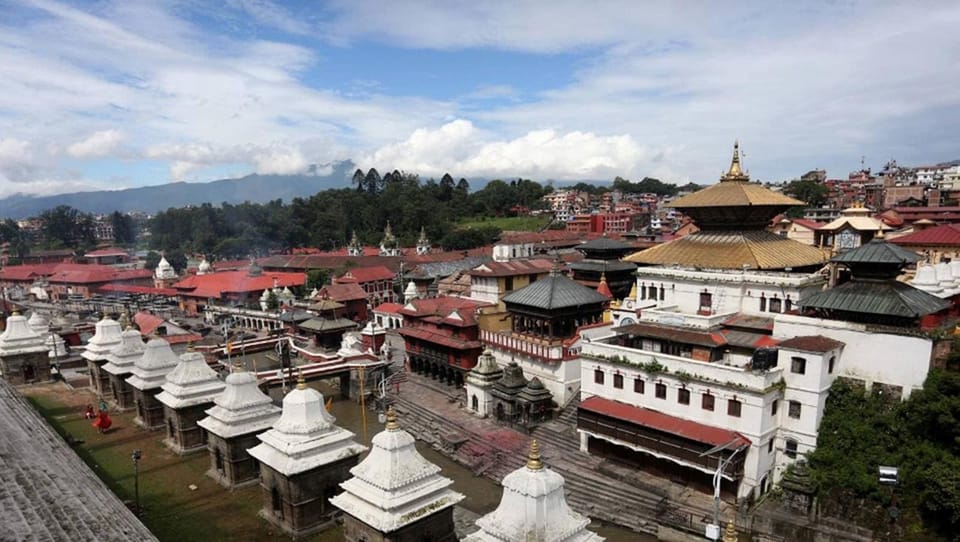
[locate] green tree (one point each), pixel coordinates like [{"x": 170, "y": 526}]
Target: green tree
[
  {"x": 358, "y": 180},
  {"x": 124, "y": 232},
  {"x": 152, "y": 260},
  {"x": 813, "y": 193},
  {"x": 273, "y": 303},
  {"x": 66, "y": 227}
]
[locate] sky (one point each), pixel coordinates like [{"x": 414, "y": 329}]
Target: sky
[{"x": 116, "y": 94}]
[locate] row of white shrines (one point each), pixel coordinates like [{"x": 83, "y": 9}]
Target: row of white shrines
[{"x": 309, "y": 469}]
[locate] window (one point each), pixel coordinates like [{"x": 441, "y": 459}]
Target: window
[
  {"x": 652, "y": 292},
  {"x": 706, "y": 301},
  {"x": 794, "y": 409},
  {"x": 833, "y": 360},
  {"x": 683, "y": 396},
  {"x": 618, "y": 381},
  {"x": 733, "y": 408},
  {"x": 763, "y": 303},
  {"x": 638, "y": 385},
  {"x": 662, "y": 296},
  {"x": 661, "y": 391},
  {"x": 775, "y": 304},
  {"x": 508, "y": 284},
  {"x": 790, "y": 448},
  {"x": 773, "y": 407},
  {"x": 598, "y": 376},
  {"x": 789, "y": 304},
  {"x": 770, "y": 446},
  {"x": 798, "y": 365},
  {"x": 707, "y": 401}
]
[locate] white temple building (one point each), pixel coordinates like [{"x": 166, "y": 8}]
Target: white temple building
[
  {"x": 56, "y": 344},
  {"x": 106, "y": 336},
  {"x": 148, "y": 376},
  {"x": 239, "y": 414},
  {"x": 120, "y": 363},
  {"x": 189, "y": 390},
  {"x": 396, "y": 494},
  {"x": 533, "y": 508}
]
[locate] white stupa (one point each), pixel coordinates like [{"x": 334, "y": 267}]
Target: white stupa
[
  {"x": 38, "y": 323},
  {"x": 533, "y": 509},
  {"x": 945, "y": 279},
  {"x": 410, "y": 292},
  {"x": 926, "y": 280},
  {"x": 164, "y": 270},
  {"x": 150, "y": 371},
  {"x": 394, "y": 485},
  {"x": 204, "y": 267},
  {"x": 241, "y": 409},
  {"x": 191, "y": 382},
  {"x": 53, "y": 341},
  {"x": 105, "y": 337},
  {"x": 19, "y": 338},
  {"x": 305, "y": 437},
  {"x": 124, "y": 356}
]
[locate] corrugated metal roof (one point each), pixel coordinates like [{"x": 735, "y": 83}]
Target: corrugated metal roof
[
  {"x": 878, "y": 251},
  {"x": 887, "y": 298},
  {"x": 554, "y": 292},
  {"x": 944, "y": 235},
  {"x": 604, "y": 243},
  {"x": 734, "y": 194},
  {"x": 731, "y": 250}
]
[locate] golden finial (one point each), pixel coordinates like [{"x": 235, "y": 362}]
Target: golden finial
[
  {"x": 392, "y": 424},
  {"x": 633, "y": 291},
  {"x": 730, "y": 533},
  {"x": 237, "y": 366},
  {"x": 190, "y": 347},
  {"x": 533, "y": 460},
  {"x": 880, "y": 232},
  {"x": 301, "y": 381},
  {"x": 736, "y": 172}
]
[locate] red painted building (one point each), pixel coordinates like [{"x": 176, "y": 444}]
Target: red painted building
[
  {"x": 376, "y": 281},
  {"x": 350, "y": 295},
  {"x": 239, "y": 288},
  {"x": 442, "y": 337}
]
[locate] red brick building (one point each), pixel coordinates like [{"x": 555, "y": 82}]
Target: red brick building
[
  {"x": 349, "y": 294},
  {"x": 241, "y": 288},
  {"x": 376, "y": 281}
]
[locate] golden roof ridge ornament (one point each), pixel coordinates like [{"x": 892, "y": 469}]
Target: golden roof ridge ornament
[
  {"x": 533, "y": 460},
  {"x": 392, "y": 424},
  {"x": 730, "y": 533},
  {"x": 735, "y": 174}
]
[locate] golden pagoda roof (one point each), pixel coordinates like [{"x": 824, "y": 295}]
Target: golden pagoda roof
[
  {"x": 734, "y": 189},
  {"x": 757, "y": 249}
]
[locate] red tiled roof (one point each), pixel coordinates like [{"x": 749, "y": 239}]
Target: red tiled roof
[
  {"x": 438, "y": 338},
  {"x": 512, "y": 268},
  {"x": 370, "y": 274},
  {"x": 943, "y": 235},
  {"x": 439, "y": 309},
  {"x": 659, "y": 421},
  {"x": 811, "y": 343},
  {"x": 388, "y": 308},
  {"x": 345, "y": 291},
  {"x": 88, "y": 274},
  {"x": 133, "y": 289},
  {"x": 29, "y": 272},
  {"x": 221, "y": 282}
]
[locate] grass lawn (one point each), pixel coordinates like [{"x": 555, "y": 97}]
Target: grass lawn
[
  {"x": 508, "y": 223},
  {"x": 170, "y": 509}
]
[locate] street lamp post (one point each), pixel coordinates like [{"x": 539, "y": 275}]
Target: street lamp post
[
  {"x": 713, "y": 530},
  {"x": 136, "y": 481}
]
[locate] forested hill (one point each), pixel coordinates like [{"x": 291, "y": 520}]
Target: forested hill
[{"x": 151, "y": 199}]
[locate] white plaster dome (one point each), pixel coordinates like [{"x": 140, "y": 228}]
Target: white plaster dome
[
  {"x": 926, "y": 280},
  {"x": 38, "y": 323},
  {"x": 164, "y": 270},
  {"x": 304, "y": 412}
]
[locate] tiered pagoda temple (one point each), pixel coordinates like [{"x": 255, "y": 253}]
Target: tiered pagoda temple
[
  {"x": 23, "y": 353},
  {"x": 120, "y": 363},
  {"x": 148, "y": 376},
  {"x": 602, "y": 258},
  {"x": 189, "y": 391},
  {"x": 533, "y": 507},
  {"x": 303, "y": 459},
  {"x": 396, "y": 495},
  {"x": 105, "y": 338},
  {"x": 239, "y": 414}
]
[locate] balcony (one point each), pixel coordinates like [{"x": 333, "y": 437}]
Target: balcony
[{"x": 545, "y": 351}]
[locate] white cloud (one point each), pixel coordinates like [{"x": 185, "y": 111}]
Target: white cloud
[
  {"x": 97, "y": 145},
  {"x": 462, "y": 150},
  {"x": 16, "y": 160},
  {"x": 275, "y": 158}
]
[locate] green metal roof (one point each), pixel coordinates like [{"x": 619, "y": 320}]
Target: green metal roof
[
  {"x": 886, "y": 298},
  {"x": 878, "y": 251},
  {"x": 605, "y": 243},
  {"x": 555, "y": 292}
]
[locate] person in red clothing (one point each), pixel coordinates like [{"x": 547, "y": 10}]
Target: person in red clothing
[{"x": 103, "y": 421}]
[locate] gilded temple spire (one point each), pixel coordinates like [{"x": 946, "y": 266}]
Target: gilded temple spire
[{"x": 736, "y": 172}]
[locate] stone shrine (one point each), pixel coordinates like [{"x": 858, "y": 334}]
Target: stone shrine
[
  {"x": 189, "y": 391},
  {"x": 479, "y": 383},
  {"x": 396, "y": 495},
  {"x": 533, "y": 507},
  {"x": 120, "y": 363},
  {"x": 302, "y": 459},
  {"x": 105, "y": 338},
  {"x": 239, "y": 414},
  {"x": 23, "y": 354},
  {"x": 148, "y": 375}
]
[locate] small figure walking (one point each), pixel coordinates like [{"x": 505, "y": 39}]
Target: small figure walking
[
  {"x": 103, "y": 422},
  {"x": 89, "y": 414}
]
